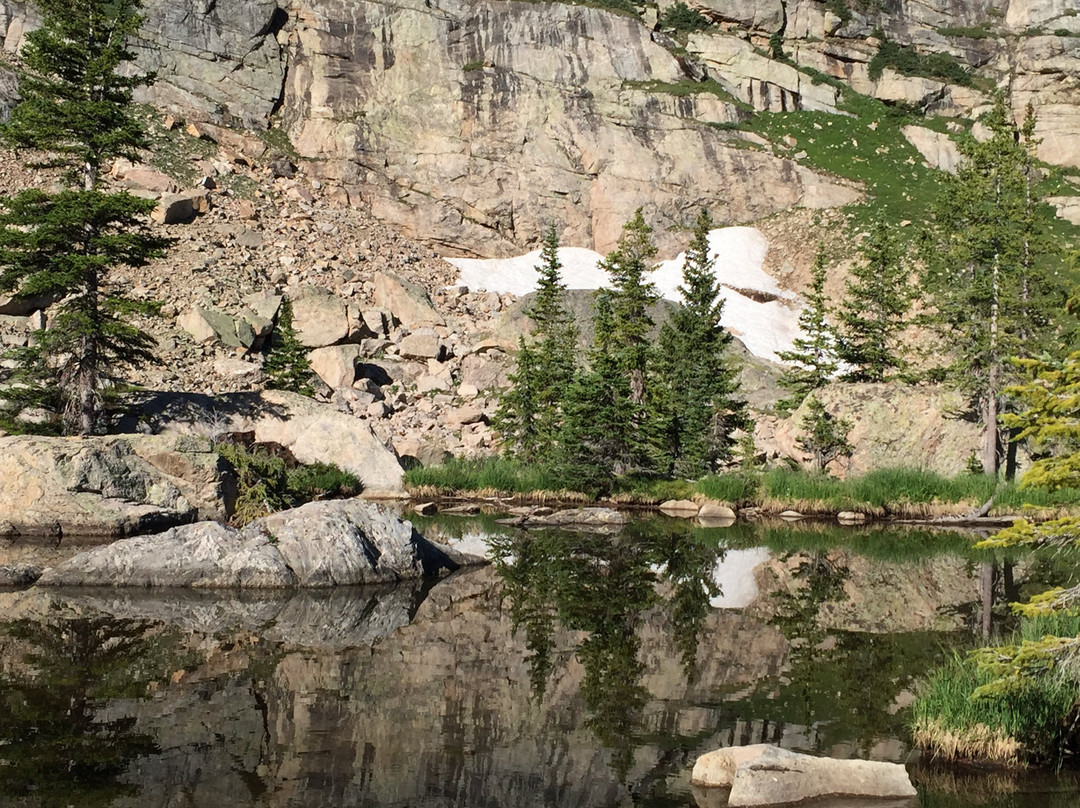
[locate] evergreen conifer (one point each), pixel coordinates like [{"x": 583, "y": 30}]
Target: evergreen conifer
[
  {"x": 824, "y": 435},
  {"x": 872, "y": 315},
  {"x": 627, "y": 350},
  {"x": 699, "y": 384},
  {"x": 286, "y": 365},
  {"x": 985, "y": 267},
  {"x": 597, "y": 433},
  {"x": 530, "y": 413},
  {"x": 814, "y": 356},
  {"x": 76, "y": 108}
]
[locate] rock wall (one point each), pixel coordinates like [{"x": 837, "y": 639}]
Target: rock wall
[{"x": 473, "y": 123}]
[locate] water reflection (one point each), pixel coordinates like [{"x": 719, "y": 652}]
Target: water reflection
[
  {"x": 575, "y": 671},
  {"x": 602, "y": 585},
  {"x": 59, "y": 744}
]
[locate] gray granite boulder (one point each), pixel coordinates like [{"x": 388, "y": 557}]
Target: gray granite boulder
[
  {"x": 321, "y": 544},
  {"x": 107, "y": 486}
]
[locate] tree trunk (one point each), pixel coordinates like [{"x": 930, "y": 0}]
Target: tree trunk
[
  {"x": 986, "y": 592},
  {"x": 990, "y": 435}
]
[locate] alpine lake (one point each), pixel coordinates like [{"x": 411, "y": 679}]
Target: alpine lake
[{"x": 577, "y": 669}]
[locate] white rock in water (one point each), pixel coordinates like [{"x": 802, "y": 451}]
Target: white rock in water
[{"x": 762, "y": 775}]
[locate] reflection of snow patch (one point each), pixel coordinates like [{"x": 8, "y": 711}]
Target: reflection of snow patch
[
  {"x": 764, "y": 327},
  {"x": 476, "y": 544},
  {"x": 734, "y": 574}
]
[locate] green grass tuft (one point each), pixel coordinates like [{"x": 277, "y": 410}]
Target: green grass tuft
[{"x": 1016, "y": 729}]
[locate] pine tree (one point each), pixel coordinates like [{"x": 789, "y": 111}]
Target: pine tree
[
  {"x": 530, "y": 413},
  {"x": 286, "y": 365},
  {"x": 76, "y": 108},
  {"x": 824, "y": 435},
  {"x": 872, "y": 315},
  {"x": 815, "y": 351},
  {"x": 628, "y": 348},
  {"x": 597, "y": 435},
  {"x": 698, "y": 382},
  {"x": 986, "y": 248},
  {"x": 628, "y": 266},
  {"x": 517, "y": 414}
]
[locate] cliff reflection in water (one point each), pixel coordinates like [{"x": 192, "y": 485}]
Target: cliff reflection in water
[{"x": 577, "y": 670}]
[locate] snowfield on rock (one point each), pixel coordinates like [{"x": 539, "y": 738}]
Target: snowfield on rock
[{"x": 756, "y": 309}]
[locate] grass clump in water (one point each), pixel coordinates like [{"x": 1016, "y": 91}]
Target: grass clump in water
[{"x": 967, "y": 712}]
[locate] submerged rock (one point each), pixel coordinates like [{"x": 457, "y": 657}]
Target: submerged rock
[
  {"x": 761, "y": 775},
  {"x": 571, "y": 518},
  {"x": 321, "y": 544}
]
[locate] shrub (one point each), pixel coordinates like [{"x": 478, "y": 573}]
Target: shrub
[
  {"x": 268, "y": 481},
  {"x": 680, "y": 18},
  {"x": 907, "y": 61}
]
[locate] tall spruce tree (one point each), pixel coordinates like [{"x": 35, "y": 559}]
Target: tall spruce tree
[
  {"x": 518, "y": 412},
  {"x": 984, "y": 267},
  {"x": 597, "y": 437},
  {"x": 873, "y": 313},
  {"x": 76, "y": 109},
  {"x": 814, "y": 356},
  {"x": 530, "y": 412},
  {"x": 698, "y": 382},
  {"x": 630, "y": 345}
]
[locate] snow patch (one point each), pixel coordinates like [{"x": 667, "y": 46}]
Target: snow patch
[{"x": 756, "y": 309}]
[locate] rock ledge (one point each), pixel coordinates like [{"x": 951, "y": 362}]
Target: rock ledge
[{"x": 321, "y": 544}]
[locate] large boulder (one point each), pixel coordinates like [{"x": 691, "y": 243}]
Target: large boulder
[
  {"x": 761, "y": 775},
  {"x": 208, "y": 325},
  {"x": 320, "y": 544},
  {"x": 406, "y": 302},
  {"x": 319, "y": 317},
  {"x": 336, "y": 364},
  {"x": 108, "y": 486}
]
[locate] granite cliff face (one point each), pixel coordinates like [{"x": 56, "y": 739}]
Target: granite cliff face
[{"x": 474, "y": 123}]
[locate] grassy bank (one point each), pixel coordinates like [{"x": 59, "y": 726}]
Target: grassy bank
[
  {"x": 902, "y": 493},
  {"x": 1029, "y": 723}
]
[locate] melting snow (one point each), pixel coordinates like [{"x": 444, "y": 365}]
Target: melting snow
[{"x": 764, "y": 327}]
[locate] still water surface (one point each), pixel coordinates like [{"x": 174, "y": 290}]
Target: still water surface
[{"x": 576, "y": 670}]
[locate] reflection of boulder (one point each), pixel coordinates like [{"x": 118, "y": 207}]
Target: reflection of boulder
[
  {"x": 325, "y": 619},
  {"x": 321, "y": 544}
]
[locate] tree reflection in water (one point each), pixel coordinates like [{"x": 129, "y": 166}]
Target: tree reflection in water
[
  {"x": 602, "y": 584},
  {"x": 58, "y": 746}
]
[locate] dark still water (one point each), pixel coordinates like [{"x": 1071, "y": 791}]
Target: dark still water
[{"x": 577, "y": 670}]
